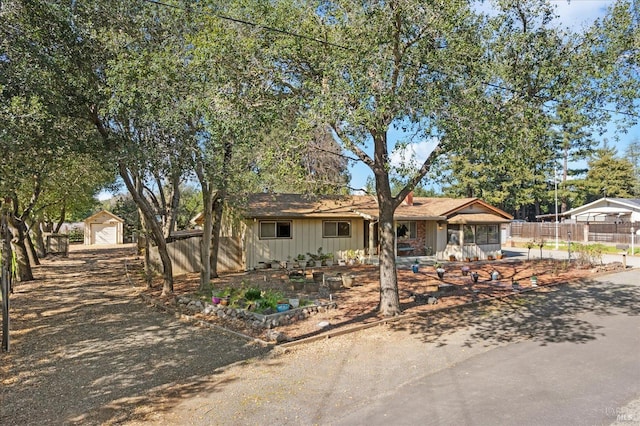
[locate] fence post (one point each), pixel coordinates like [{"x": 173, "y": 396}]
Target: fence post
[{"x": 586, "y": 232}]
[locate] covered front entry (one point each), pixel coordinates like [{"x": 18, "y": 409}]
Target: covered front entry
[{"x": 416, "y": 237}]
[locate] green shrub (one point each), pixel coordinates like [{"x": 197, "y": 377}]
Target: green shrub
[{"x": 253, "y": 294}]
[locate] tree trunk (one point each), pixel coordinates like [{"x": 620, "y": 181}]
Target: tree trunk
[
  {"x": 148, "y": 273},
  {"x": 143, "y": 248},
  {"x": 31, "y": 250},
  {"x": 39, "y": 239},
  {"x": 389, "y": 298},
  {"x": 205, "y": 248},
  {"x": 142, "y": 203},
  {"x": 17, "y": 229},
  {"x": 215, "y": 234},
  {"x": 218, "y": 206},
  {"x": 172, "y": 207},
  {"x": 63, "y": 215},
  {"x": 154, "y": 228}
]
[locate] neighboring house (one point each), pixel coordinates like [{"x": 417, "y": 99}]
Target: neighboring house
[
  {"x": 282, "y": 226},
  {"x": 608, "y": 210},
  {"x": 103, "y": 228}
]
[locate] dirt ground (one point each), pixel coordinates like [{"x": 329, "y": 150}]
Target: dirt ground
[
  {"x": 358, "y": 305},
  {"x": 85, "y": 349}
]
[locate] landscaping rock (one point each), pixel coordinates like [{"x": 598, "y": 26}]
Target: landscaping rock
[{"x": 275, "y": 336}]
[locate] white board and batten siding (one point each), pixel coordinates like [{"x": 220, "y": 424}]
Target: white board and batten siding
[{"x": 306, "y": 237}]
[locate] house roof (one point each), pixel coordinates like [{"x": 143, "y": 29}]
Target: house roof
[
  {"x": 103, "y": 212},
  {"x": 478, "y": 218},
  {"x": 293, "y": 206},
  {"x": 422, "y": 208},
  {"x": 299, "y": 205},
  {"x": 606, "y": 206}
]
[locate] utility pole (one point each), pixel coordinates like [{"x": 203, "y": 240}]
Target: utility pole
[{"x": 555, "y": 184}]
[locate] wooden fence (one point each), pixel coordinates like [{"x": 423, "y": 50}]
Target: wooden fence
[
  {"x": 185, "y": 255},
  {"x": 608, "y": 233}
]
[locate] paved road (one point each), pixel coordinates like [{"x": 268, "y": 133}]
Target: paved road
[
  {"x": 585, "y": 371},
  {"x": 567, "y": 357},
  {"x": 521, "y": 253}
]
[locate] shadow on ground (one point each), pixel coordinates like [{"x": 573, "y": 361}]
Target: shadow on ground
[
  {"x": 86, "y": 350},
  {"x": 549, "y": 316}
]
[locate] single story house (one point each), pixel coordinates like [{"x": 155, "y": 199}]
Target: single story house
[
  {"x": 283, "y": 226},
  {"x": 103, "y": 228},
  {"x": 606, "y": 210}
]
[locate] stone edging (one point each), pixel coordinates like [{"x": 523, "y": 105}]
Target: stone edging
[{"x": 254, "y": 320}]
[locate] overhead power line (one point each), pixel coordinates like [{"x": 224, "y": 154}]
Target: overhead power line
[
  {"x": 251, "y": 24},
  {"x": 339, "y": 46}
]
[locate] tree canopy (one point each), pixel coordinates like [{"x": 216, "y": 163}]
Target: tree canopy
[{"x": 252, "y": 96}]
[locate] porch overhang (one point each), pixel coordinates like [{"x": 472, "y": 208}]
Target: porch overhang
[{"x": 477, "y": 218}]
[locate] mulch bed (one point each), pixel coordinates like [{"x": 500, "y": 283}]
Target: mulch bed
[{"x": 358, "y": 305}]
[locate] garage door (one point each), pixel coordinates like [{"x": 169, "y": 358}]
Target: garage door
[{"x": 103, "y": 233}]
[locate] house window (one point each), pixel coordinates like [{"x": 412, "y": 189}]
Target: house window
[
  {"x": 487, "y": 234},
  {"x": 406, "y": 230},
  {"x": 271, "y": 230},
  {"x": 469, "y": 234},
  {"x": 453, "y": 234},
  {"x": 336, "y": 229}
]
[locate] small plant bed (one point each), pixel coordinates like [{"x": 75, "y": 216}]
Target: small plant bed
[
  {"x": 253, "y": 299},
  {"x": 347, "y": 307},
  {"x": 257, "y": 321}
]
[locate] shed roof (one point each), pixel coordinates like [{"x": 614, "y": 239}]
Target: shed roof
[{"x": 103, "y": 213}]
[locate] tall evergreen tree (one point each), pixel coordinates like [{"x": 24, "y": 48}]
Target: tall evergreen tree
[{"x": 609, "y": 176}]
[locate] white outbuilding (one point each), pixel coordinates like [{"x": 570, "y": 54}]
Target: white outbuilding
[
  {"x": 606, "y": 210},
  {"x": 103, "y": 228}
]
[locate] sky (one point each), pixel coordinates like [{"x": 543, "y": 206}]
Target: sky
[{"x": 575, "y": 14}]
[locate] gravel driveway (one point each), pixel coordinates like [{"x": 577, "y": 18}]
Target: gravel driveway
[{"x": 86, "y": 350}]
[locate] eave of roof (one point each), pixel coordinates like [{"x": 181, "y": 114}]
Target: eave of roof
[
  {"x": 633, "y": 204},
  {"x": 93, "y": 216},
  {"x": 477, "y": 218}
]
